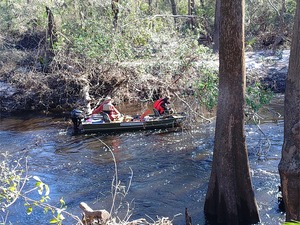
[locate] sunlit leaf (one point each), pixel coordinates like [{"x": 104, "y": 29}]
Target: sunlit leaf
[
  {"x": 38, "y": 184},
  {"x": 54, "y": 220},
  {"x": 62, "y": 202},
  {"x": 29, "y": 210},
  {"x": 46, "y": 209}
]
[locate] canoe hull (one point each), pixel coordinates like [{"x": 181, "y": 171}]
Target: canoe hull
[{"x": 170, "y": 121}]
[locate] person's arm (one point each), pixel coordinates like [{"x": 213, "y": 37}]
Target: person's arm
[{"x": 164, "y": 105}]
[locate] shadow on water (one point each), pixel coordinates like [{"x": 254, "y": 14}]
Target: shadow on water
[{"x": 166, "y": 172}]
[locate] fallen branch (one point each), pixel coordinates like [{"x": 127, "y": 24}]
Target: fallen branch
[{"x": 89, "y": 215}]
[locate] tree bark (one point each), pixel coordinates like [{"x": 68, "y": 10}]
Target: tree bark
[
  {"x": 216, "y": 37},
  {"x": 51, "y": 28},
  {"x": 51, "y": 38},
  {"x": 230, "y": 196},
  {"x": 289, "y": 166},
  {"x": 115, "y": 9},
  {"x": 191, "y": 11},
  {"x": 174, "y": 11}
]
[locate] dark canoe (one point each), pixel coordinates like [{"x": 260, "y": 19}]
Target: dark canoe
[{"x": 93, "y": 125}]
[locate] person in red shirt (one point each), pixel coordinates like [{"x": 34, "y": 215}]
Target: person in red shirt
[
  {"x": 161, "y": 105},
  {"x": 109, "y": 108}
]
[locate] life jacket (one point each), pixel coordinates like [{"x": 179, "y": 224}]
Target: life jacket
[{"x": 158, "y": 107}]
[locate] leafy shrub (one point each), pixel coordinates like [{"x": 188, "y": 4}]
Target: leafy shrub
[
  {"x": 207, "y": 88},
  {"x": 257, "y": 97},
  {"x": 12, "y": 182}
]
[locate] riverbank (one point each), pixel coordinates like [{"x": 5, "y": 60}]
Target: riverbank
[{"x": 24, "y": 86}]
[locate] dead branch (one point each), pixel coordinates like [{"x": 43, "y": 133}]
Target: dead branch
[
  {"x": 89, "y": 215},
  {"x": 208, "y": 120},
  {"x": 176, "y": 16},
  {"x": 188, "y": 219}
]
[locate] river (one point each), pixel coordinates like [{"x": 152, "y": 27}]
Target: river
[{"x": 162, "y": 172}]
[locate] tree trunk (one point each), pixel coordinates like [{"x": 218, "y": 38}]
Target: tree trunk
[
  {"x": 174, "y": 11},
  {"x": 202, "y": 3},
  {"x": 289, "y": 166},
  {"x": 51, "y": 38},
  {"x": 150, "y": 6},
  {"x": 191, "y": 11},
  {"x": 115, "y": 9},
  {"x": 216, "y": 37},
  {"x": 230, "y": 196},
  {"x": 281, "y": 28},
  {"x": 51, "y": 29},
  {"x": 282, "y": 12}
]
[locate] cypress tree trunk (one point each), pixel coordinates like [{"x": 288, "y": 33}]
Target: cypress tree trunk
[
  {"x": 230, "y": 196},
  {"x": 289, "y": 166}
]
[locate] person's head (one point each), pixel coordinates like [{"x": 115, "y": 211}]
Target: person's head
[
  {"x": 167, "y": 98},
  {"x": 107, "y": 99}
]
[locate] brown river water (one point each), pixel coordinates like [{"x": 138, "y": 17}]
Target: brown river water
[{"x": 163, "y": 172}]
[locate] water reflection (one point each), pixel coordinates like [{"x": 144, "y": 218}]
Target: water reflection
[{"x": 167, "y": 172}]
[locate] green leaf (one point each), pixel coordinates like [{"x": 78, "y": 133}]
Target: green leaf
[
  {"x": 54, "y": 220},
  {"x": 29, "y": 210},
  {"x": 62, "y": 202},
  {"x": 38, "y": 184},
  {"x": 46, "y": 209}
]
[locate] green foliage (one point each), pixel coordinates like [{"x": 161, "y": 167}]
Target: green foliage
[
  {"x": 257, "y": 97},
  {"x": 207, "y": 88},
  {"x": 85, "y": 28},
  {"x": 263, "y": 18},
  {"x": 206, "y": 91},
  {"x": 12, "y": 182},
  {"x": 17, "y": 16},
  {"x": 251, "y": 41},
  {"x": 291, "y": 223}
]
